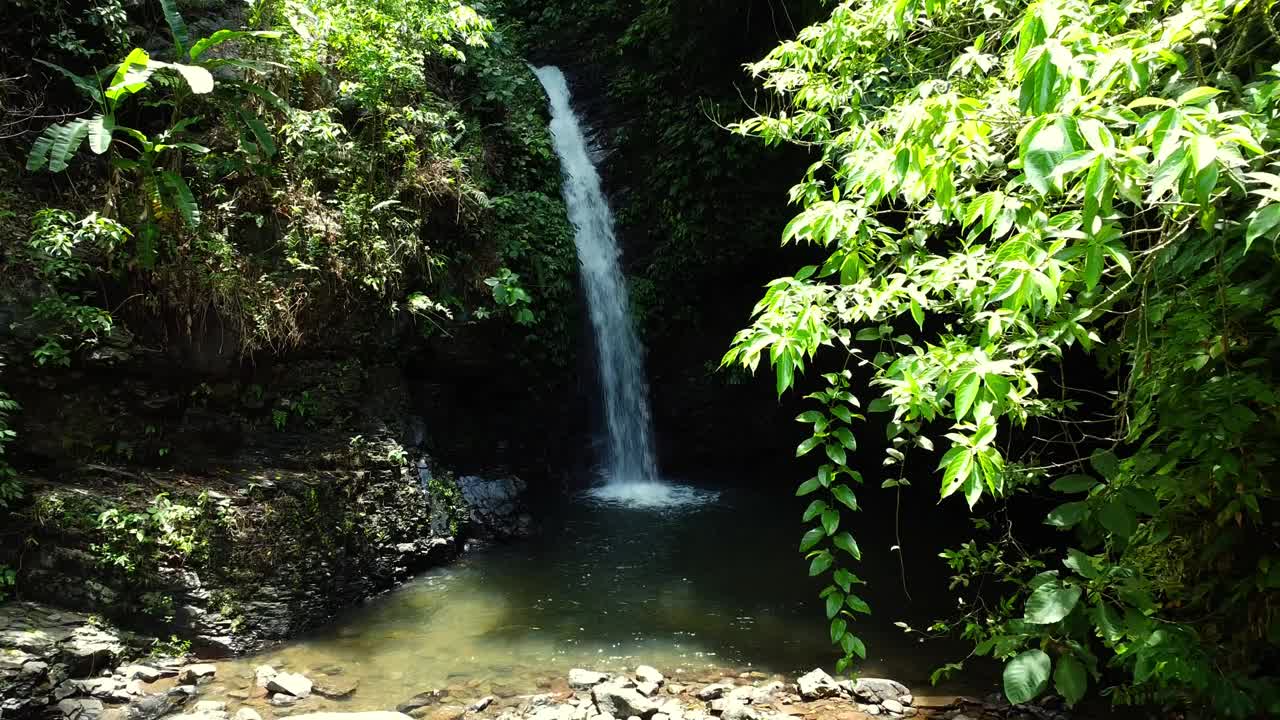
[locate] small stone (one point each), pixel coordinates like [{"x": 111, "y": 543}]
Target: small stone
[
  {"x": 892, "y": 706},
  {"x": 192, "y": 674},
  {"x": 718, "y": 705},
  {"x": 580, "y": 679},
  {"x": 619, "y": 701},
  {"x": 421, "y": 700},
  {"x": 446, "y": 712},
  {"x": 210, "y": 706},
  {"x": 646, "y": 688},
  {"x": 907, "y": 699},
  {"x": 713, "y": 691},
  {"x": 817, "y": 684},
  {"x": 647, "y": 674},
  {"x": 80, "y": 709},
  {"x": 145, "y": 673},
  {"x": 873, "y": 709},
  {"x": 291, "y": 684},
  {"x": 487, "y": 700},
  {"x": 909, "y": 712},
  {"x": 246, "y": 713},
  {"x": 282, "y": 699},
  {"x": 238, "y": 694}
]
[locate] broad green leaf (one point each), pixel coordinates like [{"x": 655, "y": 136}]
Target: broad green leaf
[
  {"x": 100, "y": 128},
  {"x": 221, "y": 36},
  {"x": 1026, "y": 676},
  {"x": 845, "y": 542},
  {"x": 835, "y": 602},
  {"x": 177, "y": 27},
  {"x": 830, "y": 521},
  {"x": 1082, "y": 564},
  {"x": 836, "y": 453},
  {"x": 857, "y": 604},
  {"x": 853, "y": 645},
  {"x": 820, "y": 563},
  {"x": 807, "y": 487},
  {"x": 814, "y": 510},
  {"x": 966, "y": 392},
  {"x": 809, "y": 444},
  {"x": 838, "y": 628},
  {"x": 845, "y": 496},
  {"x": 1262, "y": 223},
  {"x": 1070, "y": 680},
  {"x": 1047, "y": 149},
  {"x": 1051, "y": 602},
  {"x": 811, "y": 538},
  {"x": 1067, "y": 515},
  {"x": 1076, "y": 483},
  {"x": 1117, "y": 517}
]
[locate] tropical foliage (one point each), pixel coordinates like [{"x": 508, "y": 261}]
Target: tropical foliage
[{"x": 1047, "y": 235}]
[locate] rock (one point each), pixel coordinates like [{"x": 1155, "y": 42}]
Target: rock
[
  {"x": 263, "y": 674},
  {"x": 421, "y": 700},
  {"x": 335, "y": 688},
  {"x": 150, "y": 707},
  {"x": 193, "y": 674},
  {"x": 444, "y": 712},
  {"x": 739, "y": 711},
  {"x": 371, "y": 715},
  {"x": 619, "y": 701},
  {"x": 873, "y": 709},
  {"x": 909, "y": 712},
  {"x": 80, "y": 709},
  {"x": 238, "y": 694},
  {"x": 907, "y": 699},
  {"x": 647, "y": 674},
  {"x": 585, "y": 679},
  {"x": 646, "y": 688},
  {"x": 713, "y": 691},
  {"x": 293, "y": 684},
  {"x": 817, "y": 684},
  {"x": 877, "y": 690},
  {"x": 282, "y": 699},
  {"x": 145, "y": 673},
  {"x": 210, "y": 706},
  {"x": 494, "y": 505},
  {"x": 482, "y": 703},
  {"x": 246, "y": 713}
]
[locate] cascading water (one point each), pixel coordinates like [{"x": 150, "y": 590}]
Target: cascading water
[{"x": 630, "y": 471}]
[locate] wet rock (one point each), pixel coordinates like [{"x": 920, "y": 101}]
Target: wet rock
[
  {"x": 713, "y": 691},
  {"x": 646, "y": 688},
  {"x": 80, "y": 709},
  {"x": 817, "y": 684},
  {"x": 263, "y": 674},
  {"x": 282, "y": 699},
  {"x": 335, "y": 688},
  {"x": 619, "y": 701},
  {"x": 494, "y": 505},
  {"x": 580, "y": 679},
  {"x": 150, "y": 707},
  {"x": 444, "y": 712},
  {"x": 647, "y": 674},
  {"x": 210, "y": 706},
  {"x": 481, "y": 704},
  {"x": 421, "y": 700},
  {"x": 877, "y": 690},
  {"x": 193, "y": 674},
  {"x": 907, "y": 699},
  {"x": 739, "y": 711},
  {"x": 293, "y": 684},
  {"x": 145, "y": 673},
  {"x": 246, "y": 713}
]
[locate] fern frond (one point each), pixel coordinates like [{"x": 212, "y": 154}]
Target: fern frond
[{"x": 183, "y": 199}]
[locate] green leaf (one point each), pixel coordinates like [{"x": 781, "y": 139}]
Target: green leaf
[
  {"x": 838, "y": 628},
  {"x": 1076, "y": 483},
  {"x": 836, "y": 453},
  {"x": 857, "y": 604},
  {"x": 835, "y": 601},
  {"x": 820, "y": 563},
  {"x": 199, "y": 79},
  {"x": 182, "y": 197},
  {"x": 58, "y": 144},
  {"x": 814, "y": 510},
  {"x": 260, "y": 133},
  {"x": 845, "y": 496},
  {"x": 811, "y": 538},
  {"x": 1082, "y": 564},
  {"x": 1026, "y": 676},
  {"x": 853, "y": 645},
  {"x": 785, "y": 371},
  {"x": 917, "y": 313},
  {"x": 845, "y": 542},
  {"x": 1046, "y": 150},
  {"x": 177, "y": 26},
  {"x": 1117, "y": 517},
  {"x": 966, "y": 392},
  {"x": 100, "y": 128},
  {"x": 1051, "y": 602},
  {"x": 807, "y": 487},
  {"x": 846, "y": 438},
  {"x": 1067, "y": 515},
  {"x": 132, "y": 75},
  {"x": 221, "y": 36},
  {"x": 1070, "y": 680},
  {"x": 1263, "y": 222},
  {"x": 809, "y": 444},
  {"x": 830, "y": 521},
  {"x": 84, "y": 84}
]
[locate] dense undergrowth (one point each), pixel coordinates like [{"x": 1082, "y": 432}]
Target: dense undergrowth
[{"x": 1044, "y": 251}]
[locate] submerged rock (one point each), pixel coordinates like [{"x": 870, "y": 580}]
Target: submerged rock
[
  {"x": 195, "y": 673},
  {"x": 293, "y": 684},
  {"x": 335, "y": 688},
  {"x": 421, "y": 700}
]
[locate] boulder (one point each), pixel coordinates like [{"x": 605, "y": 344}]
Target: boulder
[
  {"x": 877, "y": 690},
  {"x": 192, "y": 674},
  {"x": 80, "y": 709},
  {"x": 145, "y": 673},
  {"x": 151, "y": 707},
  {"x": 817, "y": 684},
  {"x": 293, "y": 684},
  {"x": 585, "y": 679},
  {"x": 263, "y": 674},
  {"x": 892, "y": 706},
  {"x": 621, "y": 702},
  {"x": 646, "y": 688},
  {"x": 647, "y": 674}
]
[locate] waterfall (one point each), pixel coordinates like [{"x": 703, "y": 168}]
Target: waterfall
[{"x": 630, "y": 470}]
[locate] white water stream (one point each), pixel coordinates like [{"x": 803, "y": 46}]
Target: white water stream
[{"x": 630, "y": 471}]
